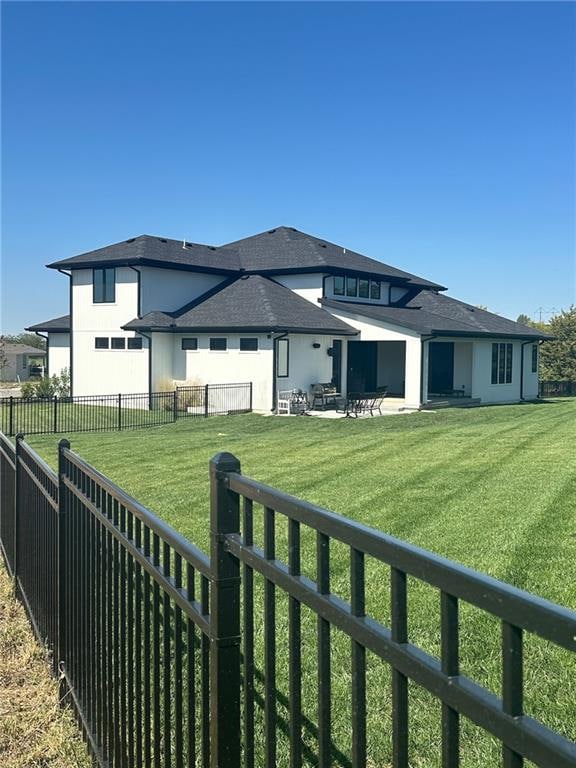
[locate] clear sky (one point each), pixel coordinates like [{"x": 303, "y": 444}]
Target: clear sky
[{"x": 438, "y": 137}]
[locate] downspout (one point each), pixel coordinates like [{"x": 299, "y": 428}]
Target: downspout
[
  {"x": 522, "y": 368},
  {"x": 274, "y": 340},
  {"x": 47, "y": 340},
  {"x": 70, "y": 303}
]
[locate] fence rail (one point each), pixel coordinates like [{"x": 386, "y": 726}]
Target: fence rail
[
  {"x": 558, "y": 389},
  {"x": 159, "y": 644},
  {"x": 99, "y": 413}
]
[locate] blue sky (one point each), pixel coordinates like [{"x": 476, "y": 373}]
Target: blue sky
[{"x": 437, "y": 137}]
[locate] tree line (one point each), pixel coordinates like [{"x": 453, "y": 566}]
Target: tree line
[{"x": 558, "y": 355}]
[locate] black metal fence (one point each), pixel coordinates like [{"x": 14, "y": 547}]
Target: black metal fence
[
  {"x": 99, "y": 413},
  {"x": 557, "y": 389},
  {"x": 157, "y": 643}
]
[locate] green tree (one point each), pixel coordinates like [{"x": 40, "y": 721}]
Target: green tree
[
  {"x": 558, "y": 357},
  {"x": 524, "y": 320},
  {"x": 26, "y": 338}
]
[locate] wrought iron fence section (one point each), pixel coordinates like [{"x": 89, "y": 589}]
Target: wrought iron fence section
[
  {"x": 7, "y": 501},
  {"x": 502, "y": 717},
  {"x": 102, "y": 413},
  {"x": 159, "y": 645},
  {"x": 137, "y": 624},
  {"x": 558, "y": 389}
]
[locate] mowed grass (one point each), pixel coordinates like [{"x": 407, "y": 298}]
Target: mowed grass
[{"x": 492, "y": 488}]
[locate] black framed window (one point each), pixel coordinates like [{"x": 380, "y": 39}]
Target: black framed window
[
  {"x": 363, "y": 288},
  {"x": 338, "y": 285},
  {"x": 282, "y": 358},
  {"x": 218, "y": 344},
  {"x": 374, "y": 290},
  {"x": 101, "y": 342},
  {"x": 534, "y": 358},
  {"x": 190, "y": 343},
  {"x": 118, "y": 342},
  {"x": 351, "y": 286},
  {"x": 502, "y": 358},
  {"x": 104, "y": 285},
  {"x": 135, "y": 343},
  {"x": 248, "y": 345}
]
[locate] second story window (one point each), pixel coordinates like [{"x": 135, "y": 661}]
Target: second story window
[
  {"x": 338, "y": 286},
  {"x": 374, "y": 290},
  {"x": 351, "y": 286},
  {"x": 104, "y": 285}
]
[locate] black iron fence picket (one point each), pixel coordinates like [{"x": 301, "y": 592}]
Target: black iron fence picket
[
  {"x": 159, "y": 644},
  {"x": 557, "y": 389},
  {"x": 101, "y": 413}
]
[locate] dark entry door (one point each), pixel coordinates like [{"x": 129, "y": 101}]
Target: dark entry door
[
  {"x": 440, "y": 367},
  {"x": 362, "y": 366}
]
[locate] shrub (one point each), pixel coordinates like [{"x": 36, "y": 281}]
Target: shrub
[{"x": 53, "y": 386}]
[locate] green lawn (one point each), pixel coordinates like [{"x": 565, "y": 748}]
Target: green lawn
[{"x": 493, "y": 488}]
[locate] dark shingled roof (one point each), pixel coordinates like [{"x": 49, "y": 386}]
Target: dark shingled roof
[
  {"x": 252, "y": 303},
  {"x": 286, "y": 249},
  {"x": 276, "y": 251},
  {"x": 434, "y": 313},
  {"x": 23, "y": 349},
  {"x": 56, "y": 325},
  {"x": 146, "y": 250}
]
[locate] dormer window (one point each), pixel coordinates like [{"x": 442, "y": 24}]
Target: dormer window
[
  {"x": 351, "y": 286},
  {"x": 363, "y": 288},
  {"x": 374, "y": 290},
  {"x": 338, "y": 286},
  {"x": 104, "y": 285}
]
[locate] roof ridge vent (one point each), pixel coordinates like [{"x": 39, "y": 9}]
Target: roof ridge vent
[
  {"x": 271, "y": 231},
  {"x": 131, "y": 240},
  {"x": 162, "y": 240}
]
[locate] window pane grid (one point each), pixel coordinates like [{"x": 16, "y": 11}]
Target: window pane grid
[{"x": 502, "y": 355}]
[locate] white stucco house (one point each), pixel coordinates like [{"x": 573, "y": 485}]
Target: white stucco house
[{"x": 282, "y": 309}]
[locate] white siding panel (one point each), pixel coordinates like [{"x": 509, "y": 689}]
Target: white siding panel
[
  {"x": 482, "y": 386},
  {"x": 91, "y": 317},
  {"x": 307, "y": 286},
  {"x": 203, "y": 366},
  {"x": 59, "y": 353},
  {"x": 307, "y": 365},
  {"x": 170, "y": 289},
  {"x": 463, "y": 366},
  {"x": 108, "y": 371}
]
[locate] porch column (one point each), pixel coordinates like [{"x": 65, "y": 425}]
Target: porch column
[{"x": 412, "y": 394}]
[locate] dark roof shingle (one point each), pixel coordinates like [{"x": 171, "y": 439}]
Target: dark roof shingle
[
  {"x": 434, "y": 313},
  {"x": 275, "y": 251},
  {"x": 251, "y": 302},
  {"x": 56, "y": 325},
  {"x": 286, "y": 248}
]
